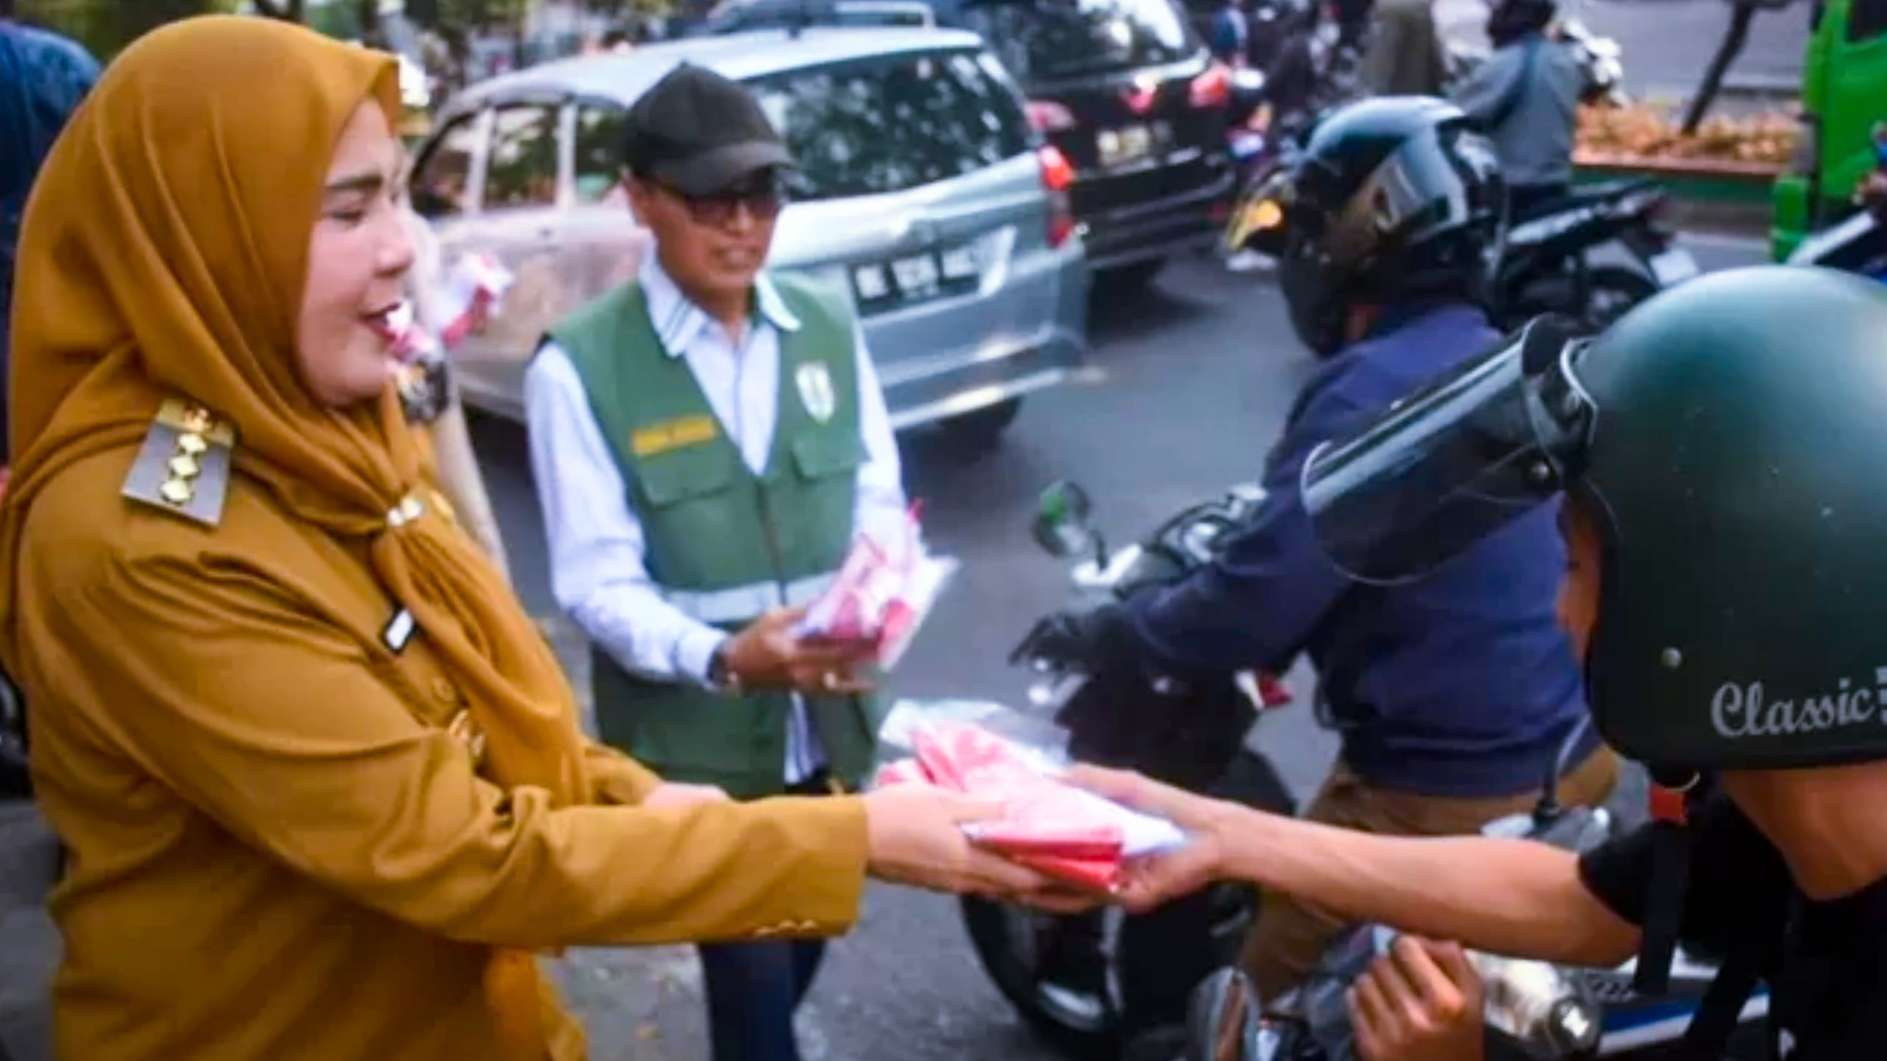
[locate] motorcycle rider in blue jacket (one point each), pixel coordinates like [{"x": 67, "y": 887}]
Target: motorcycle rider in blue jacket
[{"x": 1454, "y": 697}]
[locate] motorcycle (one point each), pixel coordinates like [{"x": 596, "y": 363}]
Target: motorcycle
[
  {"x": 1545, "y": 264},
  {"x": 1533, "y": 1010},
  {"x": 1107, "y": 984}
]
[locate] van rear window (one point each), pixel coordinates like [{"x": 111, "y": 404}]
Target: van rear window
[
  {"x": 1042, "y": 40},
  {"x": 891, "y": 123}
]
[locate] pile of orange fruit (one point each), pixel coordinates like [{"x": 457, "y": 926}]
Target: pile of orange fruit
[{"x": 1650, "y": 131}]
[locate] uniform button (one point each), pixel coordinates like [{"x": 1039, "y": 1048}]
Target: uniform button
[{"x": 445, "y": 691}]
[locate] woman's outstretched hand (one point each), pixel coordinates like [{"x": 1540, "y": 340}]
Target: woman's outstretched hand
[{"x": 915, "y": 837}]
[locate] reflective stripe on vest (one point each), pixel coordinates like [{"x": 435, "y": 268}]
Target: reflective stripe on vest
[{"x": 743, "y": 604}]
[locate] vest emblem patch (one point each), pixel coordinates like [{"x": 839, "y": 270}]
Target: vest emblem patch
[
  {"x": 815, "y": 391},
  {"x": 673, "y": 434}
]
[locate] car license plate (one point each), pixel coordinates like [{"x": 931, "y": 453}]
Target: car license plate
[
  {"x": 1673, "y": 267},
  {"x": 871, "y": 282},
  {"x": 954, "y": 270},
  {"x": 1129, "y": 143},
  {"x": 959, "y": 263},
  {"x": 916, "y": 275}
]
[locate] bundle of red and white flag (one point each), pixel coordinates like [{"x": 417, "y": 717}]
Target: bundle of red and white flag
[
  {"x": 1047, "y": 824},
  {"x": 470, "y": 293},
  {"x": 882, "y": 592}
]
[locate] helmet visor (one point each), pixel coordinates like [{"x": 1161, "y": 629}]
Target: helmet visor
[
  {"x": 1426, "y": 186},
  {"x": 1454, "y": 462}
]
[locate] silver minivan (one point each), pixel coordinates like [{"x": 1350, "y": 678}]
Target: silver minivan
[{"x": 920, "y": 189}]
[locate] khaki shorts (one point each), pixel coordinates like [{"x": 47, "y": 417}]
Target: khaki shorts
[{"x": 1290, "y": 936}]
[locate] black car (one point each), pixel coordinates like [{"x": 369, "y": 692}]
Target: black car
[
  {"x": 1128, "y": 92},
  {"x": 1125, "y": 90}
]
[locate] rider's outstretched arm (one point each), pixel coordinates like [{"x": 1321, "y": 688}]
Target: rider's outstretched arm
[{"x": 1505, "y": 896}]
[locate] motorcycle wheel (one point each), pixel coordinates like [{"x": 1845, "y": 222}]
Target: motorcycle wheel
[
  {"x": 1612, "y": 291},
  {"x": 1030, "y": 954}
]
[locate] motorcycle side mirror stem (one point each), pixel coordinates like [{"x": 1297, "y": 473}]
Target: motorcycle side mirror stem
[
  {"x": 1548, "y": 809},
  {"x": 1064, "y": 525}
]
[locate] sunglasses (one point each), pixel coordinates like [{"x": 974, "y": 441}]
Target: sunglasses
[{"x": 761, "y": 198}]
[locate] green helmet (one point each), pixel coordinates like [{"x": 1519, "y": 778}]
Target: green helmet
[{"x": 1730, "y": 439}]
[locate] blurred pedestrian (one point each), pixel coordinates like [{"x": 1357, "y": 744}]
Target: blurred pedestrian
[
  {"x": 43, "y": 76},
  {"x": 1352, "y": 18},
  {"x": 1526, "y": 98},
  {"x": 1231, "y": 33},
  {"x": 1404, "y": 54},
  {"x": 322, "y": 782},
  {"x": 707, "y": 441}
]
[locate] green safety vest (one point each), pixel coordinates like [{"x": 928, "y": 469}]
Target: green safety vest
[{"x": 724, "y": 544}]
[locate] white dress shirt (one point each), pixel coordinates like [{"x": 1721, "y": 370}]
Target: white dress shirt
[{"x": 598, "y": 550}]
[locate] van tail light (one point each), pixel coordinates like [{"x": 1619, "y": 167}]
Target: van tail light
[
  {"x": 1212, "y": 88},
  {"x": 1047, "y": 116},
  {"x": 1058, "y": 175}
]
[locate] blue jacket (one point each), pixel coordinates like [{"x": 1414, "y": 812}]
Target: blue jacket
[
  {"x": 1461, "y": 684},
  {"x": 43, "y": 77}
]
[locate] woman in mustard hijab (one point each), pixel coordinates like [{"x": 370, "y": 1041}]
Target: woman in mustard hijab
[{"x": 320, "y": 780}]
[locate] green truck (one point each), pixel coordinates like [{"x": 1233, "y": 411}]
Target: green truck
[{"x": 1844, "y": 93}]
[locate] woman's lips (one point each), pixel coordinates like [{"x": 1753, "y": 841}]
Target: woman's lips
[{"x": 392, "y": 323}]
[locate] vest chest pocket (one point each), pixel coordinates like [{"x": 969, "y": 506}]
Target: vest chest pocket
[
  {"x": 823, "y": 454},
  {"x": 669, "y": 479},
  {"x": 825, "y": 482}
]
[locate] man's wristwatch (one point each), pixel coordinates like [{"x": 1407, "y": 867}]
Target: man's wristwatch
[{"x": 720, "y": 675}]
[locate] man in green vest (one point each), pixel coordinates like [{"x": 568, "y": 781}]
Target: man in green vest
[{"x": 707, "y": 442}]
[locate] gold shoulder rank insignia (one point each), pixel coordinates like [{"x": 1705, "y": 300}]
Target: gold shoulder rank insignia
[{"x": 184, "y": 464}]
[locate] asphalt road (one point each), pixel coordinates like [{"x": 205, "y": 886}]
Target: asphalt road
[{"x": 1192, "y": 379}]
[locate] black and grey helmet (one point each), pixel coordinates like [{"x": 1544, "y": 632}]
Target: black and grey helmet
[{"x": 1390, "y": 198}]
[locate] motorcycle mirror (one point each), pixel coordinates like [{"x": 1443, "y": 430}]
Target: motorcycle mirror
[{"x": 1063, "y": 524}]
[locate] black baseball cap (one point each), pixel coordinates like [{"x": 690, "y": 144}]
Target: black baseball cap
[{"x": 700, "y": 133}]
